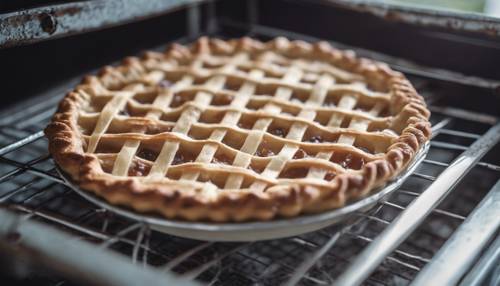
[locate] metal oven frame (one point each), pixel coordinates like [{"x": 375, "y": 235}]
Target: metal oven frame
[{"x": 436, "y": 228}]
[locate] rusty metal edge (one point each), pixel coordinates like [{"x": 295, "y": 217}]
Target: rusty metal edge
[
  {"x": 49, "y": 22},
  {"x": 422, "y": 16}
]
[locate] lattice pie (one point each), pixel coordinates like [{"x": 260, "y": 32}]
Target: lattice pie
[{"x": 239, "y": 130}]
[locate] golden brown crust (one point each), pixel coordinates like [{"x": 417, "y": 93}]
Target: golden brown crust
[{"x": 410, "y": 120}]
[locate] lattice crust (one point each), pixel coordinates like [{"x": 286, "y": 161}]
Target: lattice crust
[{"x": 239, "y": 130}]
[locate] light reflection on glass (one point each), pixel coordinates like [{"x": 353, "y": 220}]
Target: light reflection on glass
[{"x": 487, "y": 7}]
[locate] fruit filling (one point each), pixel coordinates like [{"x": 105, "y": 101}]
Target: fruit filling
[
  {"x": 165, "y": 83},
  {"x": 147, "y": 154},
  {"x": 316, "y": 139},
  {"x": 347, "y": 160},
  {"x": 222, "y": 159},
  {"x": 300, "y": 154},
  {"x": 138, "y": 169},
  {"x": 294, "y": 173},
  {"x": 278, "y": 132},
  {"x": 181, "y": 158}
]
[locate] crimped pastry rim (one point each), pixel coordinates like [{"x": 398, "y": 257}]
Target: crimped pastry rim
[
  {"x": 334, "y": 215},
  {"x": 65, "y": 147}
]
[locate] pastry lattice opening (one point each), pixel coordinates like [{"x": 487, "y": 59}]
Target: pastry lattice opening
[{"x": 236, "y": 120}]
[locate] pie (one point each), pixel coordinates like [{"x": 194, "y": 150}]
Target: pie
[{"x": 238, "y": 130}]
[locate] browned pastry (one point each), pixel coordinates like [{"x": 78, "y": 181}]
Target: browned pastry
[{"x": 239, "y": 130}]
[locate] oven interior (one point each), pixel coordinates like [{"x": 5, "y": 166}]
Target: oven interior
[{"x": 465, "y": 112}]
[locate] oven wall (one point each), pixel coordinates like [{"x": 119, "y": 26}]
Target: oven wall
[
  {"x": 470, "y": 53},
  {"x": 31, "y": 69}
]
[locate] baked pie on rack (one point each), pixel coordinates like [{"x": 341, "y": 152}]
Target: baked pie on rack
[{"x": 239, "y": 130}]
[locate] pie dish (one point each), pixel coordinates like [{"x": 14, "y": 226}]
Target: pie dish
[{"x": 239, "y": 130}]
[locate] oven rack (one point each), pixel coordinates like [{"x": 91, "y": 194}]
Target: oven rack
[{"x": 30, "y": 187}]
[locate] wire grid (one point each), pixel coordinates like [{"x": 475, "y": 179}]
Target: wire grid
[{"x": 30, "y": 185}]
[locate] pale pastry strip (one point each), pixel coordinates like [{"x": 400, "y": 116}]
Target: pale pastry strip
[
  {"x": 347, "y": 102},
  {"x": 223, "y": 169},
  {"x": 267, "y": 99},
  {"x": 189, "y": 116},
  {"x": 231, "y": 118},
  {"x": 260, "y": 126},
  {"x": 129, "y": 149},
  {"x": 107, "y": 114},
  {"x": 254, "y": 157},
  {"x": 188, "y": 185},
  {"x": 322, "y": 68},
  {"x": 124, "y": 157},
  {"x": 255, "y": 136},
  {"x": 245, "y": 111},
  {"x": 362, "y": 90},
  {"x": 355, "y": 124},
  {"x": 268, "y": 64},
  {"x": 359, "y": 124},
  {"x": 254, "y": 139},
  {"x": 296, "y": 132},
  {"x": 183, "y": 125}
]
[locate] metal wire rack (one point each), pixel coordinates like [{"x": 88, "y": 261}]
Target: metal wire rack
[{"x": 30, "y": 186}]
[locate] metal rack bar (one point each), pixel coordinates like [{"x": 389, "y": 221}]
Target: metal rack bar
[
  {"x": 479, "y": 273},
  {"x": 423, "y": 176},
  {"x": 21, "y": 188},
  {"x": 355, "y": 236},
  {"x": 489, "y": 166},
  {"x": 459, "y": 133},
  {"x": 463, "y": 247},
  {"x": 85, "y": 230},
  {"x": 177, "y": 260},
  {"x": 142, "y": 231},
  {"x": 34, "y": 171},
  {"x": 289, "y": 268},
  {"x": 449, "y": 146},
  {"x": 111, "y": 240},
  {"x": 436, "y": 163},
  {"x": 193, "y": 273},
  {"x": 464, "y": 114},
  {"x": 21, "y": 143},
  {"x": 308, "y": 263},
  {"x": 35, "y": 105},
  {"x": 304, "y": 267},
  {"x": 300, "y": 272},
  {"x": 492, "y": 167},
  {"x": 62, "y": 222},
  {"x": 42, "y": 243},
  {"x": 19, "y": 170},
  {"x": 402, "y": 253},
  {"x": 436, "y": 210},
  {"x": 440, "y": 125},
  {"x": 413, "y": 215}
]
